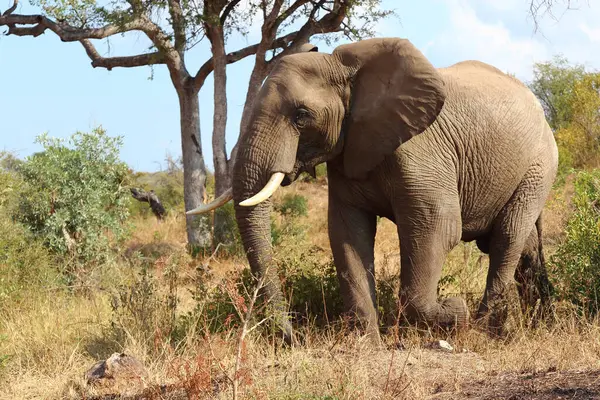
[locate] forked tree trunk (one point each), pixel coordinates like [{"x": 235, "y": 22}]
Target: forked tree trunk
[
  {"x": 259, "y": 73},
  {"x": 194, "y": 168},
  {"x": 223, "y": 220}
]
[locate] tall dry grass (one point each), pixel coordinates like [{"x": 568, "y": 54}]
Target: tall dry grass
[{"x": 55, "y": 335}]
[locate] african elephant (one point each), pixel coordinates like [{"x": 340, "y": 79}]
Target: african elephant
[{"x": 448, "y": 154}]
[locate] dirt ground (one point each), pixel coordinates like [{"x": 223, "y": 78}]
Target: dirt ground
[{"x": 539, "y": 386}]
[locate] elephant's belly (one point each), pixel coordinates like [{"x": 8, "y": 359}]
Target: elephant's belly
[{"x": 480, "y": 211}]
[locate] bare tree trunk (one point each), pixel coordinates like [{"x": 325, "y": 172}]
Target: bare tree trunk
[
  {"x": 194, "y": 168},
  {"x": 223, "y": 221},
  {"x": 259, "y": 73}
]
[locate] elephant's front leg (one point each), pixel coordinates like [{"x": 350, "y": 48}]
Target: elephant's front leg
[
  {"x": 427, "y": 233},
  {"x": 352, "y": 238}
]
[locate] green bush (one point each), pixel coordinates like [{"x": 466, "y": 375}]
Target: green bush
[
  {"x": 293, "y": 205},
  {"x": 228, "y": 230},
  {"x": 26, "y": 266},
  {"x": 575, "y": 266},
  {"x": 312, "y": 287},
  {"x": 140, "y": 308},
  {"x": 309, "y": 283},
  {"x": 75, "y": 195},
  {"x": 10, "y": 183},
  {"x": 320, "y": 174}
]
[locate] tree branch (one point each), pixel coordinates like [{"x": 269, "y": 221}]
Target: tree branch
[
  {"x": 65, "y": 32},
  {"x": 235, "y": 56},
  {"x": 330, "y": 22},
  {"x": 126, "y": 62},
  {"x": 12, "y": 8},
  {"x": 228, "y": 11},
  {"x": 291, "y": 9},
  {"x": 178, "y": 25},
  {"x": 38, "y": 24}
]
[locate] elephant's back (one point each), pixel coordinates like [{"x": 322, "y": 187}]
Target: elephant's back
[{"x": 496, "y": 129}]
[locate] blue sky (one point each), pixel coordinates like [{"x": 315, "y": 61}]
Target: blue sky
[{"x": 47, "y": 85}]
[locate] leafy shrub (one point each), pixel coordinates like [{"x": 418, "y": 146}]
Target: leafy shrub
[
  {"x": 294, "y": 205},
  {"x": 140, "y": 308},
  {"x": 311, "y": 286},
  {"x": 25, "y": 264},
  {"x": 320, "y": 174},
  {"x": 75, "y": 197},
  {"x": 10, "y": 182},
  {"x": 228, "y": 231},
  {"x": 309, "y": 283},
  {"x": 576, "y": 264}
]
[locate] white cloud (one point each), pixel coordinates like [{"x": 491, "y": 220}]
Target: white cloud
[
  {"x": 468, "y": 37},
  {"x": 593, "y": 34}
]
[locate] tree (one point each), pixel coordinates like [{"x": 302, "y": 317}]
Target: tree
[
  {"x": 571, "y": 100},
  {"x": 553, "y": 84},
  {"x": 538, "y": 9},
  {"x": 186, "y": 24},
  {"x": 579, "y": 140},
  {"x": 75, "y": 197}
]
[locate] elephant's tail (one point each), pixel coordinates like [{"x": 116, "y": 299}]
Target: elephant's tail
[
  {"x": 545, "y": 287},
  {"x": 538, "y": 227}
]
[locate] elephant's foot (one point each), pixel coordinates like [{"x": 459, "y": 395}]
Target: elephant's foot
[
  {"x": 492, "y": 314},
  {"x": 454, "y": 313},
  {"x": 451, "y": 313},
  {"x": 366, "y": 326}
]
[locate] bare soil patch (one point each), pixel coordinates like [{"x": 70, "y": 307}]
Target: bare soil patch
[{"x": 539, "y": 386}]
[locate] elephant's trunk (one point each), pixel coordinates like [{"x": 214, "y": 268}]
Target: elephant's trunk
[{"x": 252, "y": 171}]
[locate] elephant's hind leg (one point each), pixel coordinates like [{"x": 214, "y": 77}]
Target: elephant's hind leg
[
  {"x": 511, "y": 231},
  {"x": 532, "y": 277}
]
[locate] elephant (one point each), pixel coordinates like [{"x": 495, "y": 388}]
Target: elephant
[{"x": 460, "y": 153}]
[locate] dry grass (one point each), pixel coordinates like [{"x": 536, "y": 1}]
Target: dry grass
[{"x": 54, "y": 336}]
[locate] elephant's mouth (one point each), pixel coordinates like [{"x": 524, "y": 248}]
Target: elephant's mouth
[
  {"x": 299, "y": 168},
  {"x": 288, "y": 179}
]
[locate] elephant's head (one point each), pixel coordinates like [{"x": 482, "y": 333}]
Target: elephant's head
[{"x": 359, "y": 104}]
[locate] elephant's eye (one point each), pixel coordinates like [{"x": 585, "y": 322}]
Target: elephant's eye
[{"x": 301, "y": 117}]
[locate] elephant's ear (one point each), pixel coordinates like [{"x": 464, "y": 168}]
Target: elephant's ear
[{"x": 395, "y": 94}]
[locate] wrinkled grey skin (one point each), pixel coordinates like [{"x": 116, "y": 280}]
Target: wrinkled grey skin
[{"x": 458, "y": 153}]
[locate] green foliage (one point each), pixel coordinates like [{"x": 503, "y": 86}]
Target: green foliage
[
  {"x": 311, "y": 285},
  {"x": 570, "y": 98},
  {"x": 293, "y": 205},
  {"x": 10, "y": 181},
  {"x": 145, "y": 305},
  {"x": 320, "y": 174},
  {"x": 75, "y": 197},
  {"x": 360, "y": 21},
  {"x": 575, "y": 266},
  {"x": 228, "y": 231},
  {"x": 26, "y": 266},
  {"x": 9, "y": 162},
  {"x": 287, "y": 223},
  {"x": 579, "y": 141},
  {"x": 553, "y": 83}
]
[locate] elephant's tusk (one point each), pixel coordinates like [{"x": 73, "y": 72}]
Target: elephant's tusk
[
  {"x": 266, "y": 192},
  {"x": 216, "y": 203}
]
